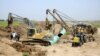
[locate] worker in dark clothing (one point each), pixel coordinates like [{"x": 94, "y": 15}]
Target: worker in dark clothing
[
  {"x": 10, "y": 19},
  {"x": 10, "y": 22},
  {"x": 81, "y": 36}
]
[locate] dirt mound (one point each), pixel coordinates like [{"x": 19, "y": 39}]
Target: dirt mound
[
  {"x": 7, "y": 50},
  {"x": 13, "y": 48},
  {"x": 3, "y": 32},
  {"x": 21, "y": 48},
  {"x": 32, "y": 50},
  {"x": 66, "y": 50},
  {"x": 56, "y": 28},
  {"x": 21, "y": 29},
  {"x": 90, "y": 44},
  {"x": 6, "y": 41},
  {"x": 97, "y": 36}
]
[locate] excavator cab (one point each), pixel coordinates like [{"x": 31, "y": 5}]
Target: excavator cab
[{"x": 31, "y": 31}]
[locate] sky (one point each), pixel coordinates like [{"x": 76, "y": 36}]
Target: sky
[{"x": 36, "y": 9}]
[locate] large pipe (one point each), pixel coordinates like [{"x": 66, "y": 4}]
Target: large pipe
[{"x": 56, "y": 38}]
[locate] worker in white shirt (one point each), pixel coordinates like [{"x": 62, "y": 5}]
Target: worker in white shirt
[{"x": 15, "y": 36}]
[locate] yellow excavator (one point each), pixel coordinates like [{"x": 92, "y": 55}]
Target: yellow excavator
[
  {"x": 46, "y": 37},
  {"x": 38, "y": 32},
  {"x": 34, "y": 34},
  {"x": 38, "y": 35}
]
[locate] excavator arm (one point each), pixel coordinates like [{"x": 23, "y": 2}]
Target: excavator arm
[
  {"x": 56, "y": 38},
  {"x": 12, "y": 17},
  {"x": 48, "y": 11},
  {"x": 64, "y": 24}
]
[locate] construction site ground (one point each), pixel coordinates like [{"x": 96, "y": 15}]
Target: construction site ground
[{"x": 62, "y": 48}]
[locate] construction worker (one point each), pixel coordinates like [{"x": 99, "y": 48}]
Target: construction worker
[
  {"x": 80, "y": 34},
  {"x": 76, "y": 41},
  {"x": 48, "y": 24},
  {"x": 15, "y": 36},
  {"x": 10, "y": 22}
]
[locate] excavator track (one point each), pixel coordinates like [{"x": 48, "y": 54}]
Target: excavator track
[{"x": 36, "y": 41}]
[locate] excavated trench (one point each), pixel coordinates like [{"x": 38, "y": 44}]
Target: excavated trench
[{"x": 59, "y": 49}]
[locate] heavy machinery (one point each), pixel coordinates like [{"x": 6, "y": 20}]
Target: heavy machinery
[
  {"x": 60, "y": 21},
  {"x": 34, "y": 35},
  {"x": 13, "y": 17},
  {"x": 44, "y": 37},
  {"x": 86, "y": 30},
  {"x": 18, "y": 19}
]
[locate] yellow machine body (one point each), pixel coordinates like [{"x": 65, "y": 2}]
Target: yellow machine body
[{"x": 37, "y": 33}]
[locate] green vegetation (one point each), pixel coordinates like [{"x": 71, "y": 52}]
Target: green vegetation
[
  {"x": 96, "y": 24},
  {"x": 4, "y": 23},
  {"x": 25, "y": 54},
  {"x": 67, "y": 33}
]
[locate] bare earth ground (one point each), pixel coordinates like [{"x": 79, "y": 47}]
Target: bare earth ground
[
  {"x": 11, "y": 48},
  {"x": 88, "y": 49},
  {"x": 60, "y": 49}
]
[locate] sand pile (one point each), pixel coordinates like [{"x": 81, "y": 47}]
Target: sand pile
[
  {"x": 3, "y": 32},
  {"x": 7, "y": 50}
]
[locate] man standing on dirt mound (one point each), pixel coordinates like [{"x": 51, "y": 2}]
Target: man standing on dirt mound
[{"x": 10, "y": 22}]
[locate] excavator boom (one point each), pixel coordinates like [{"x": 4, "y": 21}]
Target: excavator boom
[{"x": 65, "y": 25}]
